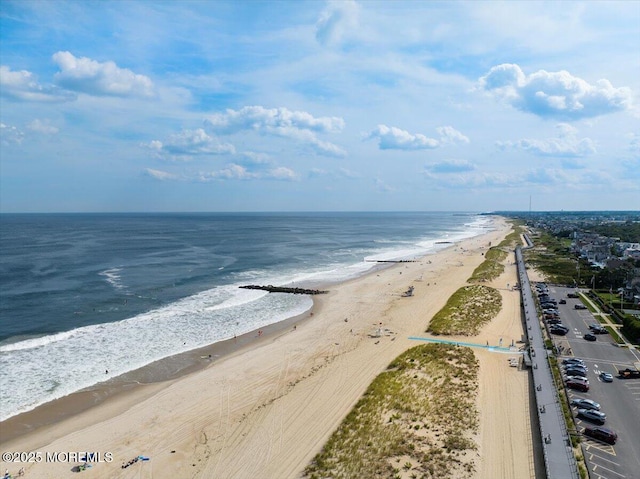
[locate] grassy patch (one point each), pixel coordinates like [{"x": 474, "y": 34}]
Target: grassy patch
[
  {"x": 419, "y": 415},
  {"x": 614, "y": 334},
  {"x": 512, "y": 239},
  {"x": 491, "y": 267},
  {"x": 551, "y": 256},
  {"x": 467, "y": 310}
]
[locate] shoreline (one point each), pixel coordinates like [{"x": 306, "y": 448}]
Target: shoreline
[
  {"x": 159, "y": 373},
  {"x": 166, "y": 370},
  {"x": 265, "y": 408}
]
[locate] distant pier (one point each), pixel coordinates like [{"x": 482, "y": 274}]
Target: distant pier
[{"x": 283, "y": 289}]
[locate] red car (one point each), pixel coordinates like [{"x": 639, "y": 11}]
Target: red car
[
  {"x": 577, "y": 384},
  {"x": 602, "y": 434}
]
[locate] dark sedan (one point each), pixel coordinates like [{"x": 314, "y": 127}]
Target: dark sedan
[{"x": 602, "y": 434}]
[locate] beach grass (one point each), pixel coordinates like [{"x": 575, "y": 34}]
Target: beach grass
[
  {"x": 552, "y": 257},
  {"x": 466, "y": 311},
  {"x": 491, "y": 267},
  {"x": 416, "y": 419}
]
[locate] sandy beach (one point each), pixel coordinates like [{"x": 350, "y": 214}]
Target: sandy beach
[{"x": 266, "y": 407}]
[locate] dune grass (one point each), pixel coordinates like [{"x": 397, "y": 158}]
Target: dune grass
[
  {"x": 491, "y": 267},
  {"x": 467, "y": 310},
  {"x": 416, "y": 420}
]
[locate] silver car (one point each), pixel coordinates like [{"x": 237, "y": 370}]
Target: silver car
[
  {"x": 592, "y": 416},
  {"x": 585, "y": 404}
]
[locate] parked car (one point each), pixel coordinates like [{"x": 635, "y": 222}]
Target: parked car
[
  {"x": 572, "y": 295},
  {"x": 576, "y": 366},
  {"x": 579, "y": 306},
  {"x": 589, "y": 337},
  {"x": 554, "y": 321},
  {"x": 578, "y": 377},
  {"x": 585, "y": 404},
  {"x": 578, "y": 385},
  {"x": 602, "y": 434},
  {"x": 592, "y": 416},
  {"x": 563, "y": 301},
  {"x": 558, "y": 330},
  {"x": 576, "y": 372},
  {"x": 573, "y": 360},
  {"x": 573, "y": 364},
  {"x": 581, "y": 366},
  {"x": 606, "y": 377}
]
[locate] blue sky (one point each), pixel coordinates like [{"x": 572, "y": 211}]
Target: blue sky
[{"x": 319, "y": 106}]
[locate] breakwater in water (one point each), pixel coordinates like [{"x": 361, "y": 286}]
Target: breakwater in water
[{"x": 282, "y": 289}]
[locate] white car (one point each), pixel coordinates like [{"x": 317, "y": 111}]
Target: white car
[{"x": 579, "y": 378}]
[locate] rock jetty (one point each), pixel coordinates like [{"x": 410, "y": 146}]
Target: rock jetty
[
  {"x": 391, "y": 261},
  {"x": 282, "y": 289}
]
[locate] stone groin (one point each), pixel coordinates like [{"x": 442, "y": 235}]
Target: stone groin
[
  {"x": 283, "y": 289},
  {"x": 391, "y": 261}
]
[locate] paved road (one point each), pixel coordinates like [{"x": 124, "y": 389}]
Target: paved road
[{"x": 620, "y": 400}]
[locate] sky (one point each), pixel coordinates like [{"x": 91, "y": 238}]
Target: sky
[{"x": 163, "y": 106}]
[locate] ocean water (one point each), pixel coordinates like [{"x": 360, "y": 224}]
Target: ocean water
[{"x": 81, "y": 294}]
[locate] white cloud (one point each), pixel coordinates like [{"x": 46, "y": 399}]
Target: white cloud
[
  {"x": 101, "y": 79},
  {"x": 239, "y": 172},
  {"x": 272, "y": 120},
  {"x": 451, "y": 166},
  {"x": 298, "y": 125},
  {"x": 190, "y": 143},
  {"x": 566, "y": 145},
  {"x": 231, "y": 172},
  {"x": 160, "y": 175},
  {"x": 10, "y": 135},
  {"x": 22, "y": 85},
  {"x": 340, "y": 173},
  {"x": 281, "y": 173},
  {"x": 555, "y": 94},
  {"x": 392, "y": 138},
  {"x": 448, "y": 134},
  {"x": 42, "y": 126},
  {"x": 337, "y": 20}
]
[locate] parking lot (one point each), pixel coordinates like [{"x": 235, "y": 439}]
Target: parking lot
[{"x": 619, "y": 399}]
